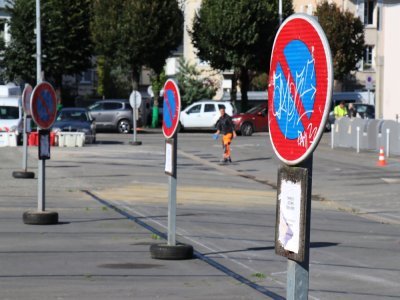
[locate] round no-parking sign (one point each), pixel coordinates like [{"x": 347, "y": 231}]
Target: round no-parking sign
[
  {"x": 44, "y": 105},
  {"x": 300, "y": 88},
  {"x": 171, "y": 108}
]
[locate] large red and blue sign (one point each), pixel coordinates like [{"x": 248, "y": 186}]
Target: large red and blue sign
[
  {"x": 44, "y": 105},
  {"x": 171, "y": 108},
  {"x": 300, "y": 88}
]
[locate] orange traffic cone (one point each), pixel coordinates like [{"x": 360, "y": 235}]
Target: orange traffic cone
[{"x": 381, "y": 162}]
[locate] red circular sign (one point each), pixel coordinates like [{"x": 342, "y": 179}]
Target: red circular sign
[
  {"x": 300, "y": 88},
  {"x": 44, "y": 105},
  {"x": 171, "y": 108}
]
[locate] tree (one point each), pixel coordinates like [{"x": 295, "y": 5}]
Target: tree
[
  {"x": 345, "y": 34},
  {"x": 66, "y": 45},
  {"x": 238, "y": 35},
  {"x": 192, "y": 85},
  {"x": 135, "y": 33}
]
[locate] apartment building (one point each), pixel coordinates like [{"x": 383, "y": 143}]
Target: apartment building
[{"x": 381, "y": 59}]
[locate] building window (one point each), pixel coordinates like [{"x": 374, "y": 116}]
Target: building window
[
  {"x": 86, "y": 77},
  {"x": 367, "y": 59},
  {"x": 369, "y": 6}
]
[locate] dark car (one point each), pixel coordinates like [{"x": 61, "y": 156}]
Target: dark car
[
  {"x": 112, "y": 114},
  {"x": 254, "y": 120},
  {"x": 76, "y": 120},
  {"x": 363, "y": 111}
]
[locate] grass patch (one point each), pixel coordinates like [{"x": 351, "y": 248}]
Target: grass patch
[{"x": 259, "y": 275}]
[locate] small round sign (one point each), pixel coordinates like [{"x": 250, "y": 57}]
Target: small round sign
[
  {"x": 44, "y": 105},
  {"x": 300, "y": 88},
  {"x": 26, "y": 99},
  {"x": 171, "y": 108},
  {"x": 135, "y": 99}
]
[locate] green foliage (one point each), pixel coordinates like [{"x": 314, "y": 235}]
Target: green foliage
[
  {"x": 157, "y": 83},
  {"x": 66, "y": 45},
  {"x": 192, "y": 85},
  {"x": 345, "y": 34},
  {"x": 137, "y": 33},
  {"x": 237, "y": 34},
  {"x": 259, "y": 82}
]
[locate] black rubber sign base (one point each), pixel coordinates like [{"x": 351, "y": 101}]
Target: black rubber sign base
[
  {"x": 23, "y": 174},
  {"x": 177, "y": 252},
  {"x": 40, "y": 218},
  {"x": 137, "y": 143}
]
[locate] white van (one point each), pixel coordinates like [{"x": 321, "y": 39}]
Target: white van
[
  {"x": 204, "y": 114},
  {"x": 11, "y": 115}
]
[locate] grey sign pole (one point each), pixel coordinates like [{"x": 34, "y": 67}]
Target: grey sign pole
[
  {"x": 41, "y": 163},
  {"x": 134, "y": 98},
  {"x": 298, "y": 272},
  {"x": 172, "y": 180},
  {"x": 25, "y": 145},
  {"x": 134, "y": 119}
]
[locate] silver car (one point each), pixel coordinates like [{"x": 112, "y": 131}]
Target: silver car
[{"x": 112, "y": 115}]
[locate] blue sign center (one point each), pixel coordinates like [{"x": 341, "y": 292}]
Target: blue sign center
[
  {"x": 294, "y": 93},
  {"x": 45, "y": 106},
  {"x": 169, "y": 108}
]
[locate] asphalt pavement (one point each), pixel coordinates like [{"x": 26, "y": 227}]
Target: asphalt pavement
[{"x": 112, "y": 201}]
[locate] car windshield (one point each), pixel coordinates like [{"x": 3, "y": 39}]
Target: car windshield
[
  {"x": 254, "y": 109},
  {"x": 9, "y": 112},
  {"x": 80, "y": 116}
]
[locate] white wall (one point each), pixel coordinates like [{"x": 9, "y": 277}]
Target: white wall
[{"x": 391, "y": 77}]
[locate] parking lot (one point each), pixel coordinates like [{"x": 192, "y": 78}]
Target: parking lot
[{"x": 112, "y": 201}]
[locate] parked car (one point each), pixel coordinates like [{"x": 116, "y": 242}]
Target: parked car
[
  {"x": 112, "y": 114},
  {"x": 11, "y": 115},
  {"x": 254, "y": 120},
  {"x": 363, "y": 111},
  {"x": 204, "y": 114},
  {"x": 76, "y": 120}
]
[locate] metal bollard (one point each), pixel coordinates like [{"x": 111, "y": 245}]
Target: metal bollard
[
  {"x": 387, "y": 142},
  {"x": 358, "y": 139},
  {"x": 332, "y": 135}
]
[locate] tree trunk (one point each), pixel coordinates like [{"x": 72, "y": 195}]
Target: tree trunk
[
  {"x": 135, "y": 77},
  {"x": 244, "y": 87},
  {"x": 234, "y": 89}
]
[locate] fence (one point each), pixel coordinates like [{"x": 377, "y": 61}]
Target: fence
[{"x": 366, "y": 134}]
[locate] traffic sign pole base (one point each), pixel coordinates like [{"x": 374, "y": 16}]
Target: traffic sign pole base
[
  {"x": 137, "y": 143},
  {"x": 40, "y": 218},
  {"x": 23, "y": 174},
  {"x": 166, "y": 252}
]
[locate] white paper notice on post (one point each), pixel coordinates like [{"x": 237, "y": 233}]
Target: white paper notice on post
[
  {"x": 168, "y": 158},
  {"x": 289, "y": 219}
]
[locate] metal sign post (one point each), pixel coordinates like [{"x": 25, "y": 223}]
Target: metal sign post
[
  {"x": 26, "y": 95},
  {"x": 44, "y": 111},
  {"x": 172, "y": 109},
  {"x": 170, "y": 169},
  {"x": 135, "y": 101},
  {"x": 299, "y": 93}
]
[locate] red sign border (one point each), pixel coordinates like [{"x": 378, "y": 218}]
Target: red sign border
[
  {"x": 320, "y": 44},
  {"x": 34, "y": 98},
  {"x": 171, "y": 85}
]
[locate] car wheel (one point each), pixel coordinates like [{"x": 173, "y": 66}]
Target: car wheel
[
  {"x": 328, "y": 126},
  {"x": 124, "y": 126},
  {"x": 246, "y": 129}
]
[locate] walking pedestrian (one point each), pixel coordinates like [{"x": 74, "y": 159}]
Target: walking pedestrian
[{"x": 226, "y": 128}]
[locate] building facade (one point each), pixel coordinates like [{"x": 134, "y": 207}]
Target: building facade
[
  {"x": 380, "y": 62},
  {"x": 381, "y": 57}
]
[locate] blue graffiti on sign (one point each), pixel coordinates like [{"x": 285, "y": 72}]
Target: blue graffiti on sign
[
  {"x": 294, "y": 92},
  {"x": 169, "y": 108},
  {"x": 45, "y": 105}
]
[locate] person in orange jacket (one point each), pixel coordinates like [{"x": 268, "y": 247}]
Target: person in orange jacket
[{"x": 226, "y": 128}]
